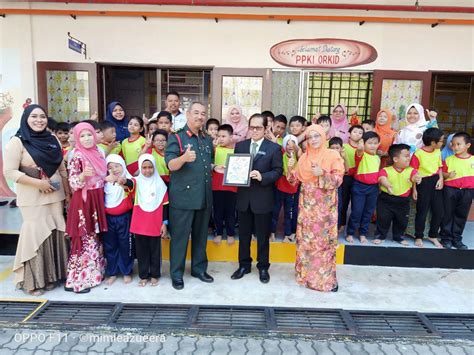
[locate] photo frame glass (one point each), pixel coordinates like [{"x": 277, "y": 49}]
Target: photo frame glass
[{"x": 237, "y": 171}]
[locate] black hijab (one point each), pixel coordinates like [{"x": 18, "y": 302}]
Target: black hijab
[{"x": 43, "y": 147}]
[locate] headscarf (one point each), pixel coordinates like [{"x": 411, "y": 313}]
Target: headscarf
[
  {"x": 329, "y": 160},
  {"x": 385, "y": 132},
  {"x": 91, "y": 156},
  {"x": 43, "y": 147},
  {"x": 447, "y": 151},
  {"x": 412, "y": 133},
  {"x": 241, "y": 128},
  {"x": 287, "y": 138},
  {"x": 114, "y": 193},
  {"x": 150, "y": 190},
  {"x": 121, "y": 127},
  {"x": 340, "y": 125}
]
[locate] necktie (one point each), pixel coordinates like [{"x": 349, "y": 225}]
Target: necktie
[{"x": 254, "y": 149}]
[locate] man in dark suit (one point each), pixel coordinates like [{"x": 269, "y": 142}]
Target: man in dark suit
[{"x": 255, "y": 203}]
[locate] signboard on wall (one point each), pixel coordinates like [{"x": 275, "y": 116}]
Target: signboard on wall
[{"x": 323, "y": 53}]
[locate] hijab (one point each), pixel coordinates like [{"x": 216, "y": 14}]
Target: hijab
[
  {"x": 114, "y": 193},
  {"x": 329, "y": 160},
  {"x": 340, "y": 125},
  {"x": 447, "y": 151},
  {"x": 287, "y": 138},
  {"x": 385, "y": 132},
  {"x": 240, "y": 128},
  {"x": 150, "y": 190},
  {"x": 91, "y": 156},
  {"x": 121, "y": 127},
  {"x": 43, "y": 147},
  {"x": 412, "y": 133}
]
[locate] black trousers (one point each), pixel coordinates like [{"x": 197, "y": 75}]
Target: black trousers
[
  {"x": 346, "y": 187},
  {"x": 457, "y": 203},
  {"x": 262, "y": 225},
  {"x": 428, "y": 199},
  {"x": 182, "y": 224},
  {"x": 149, "y": 256},
  {"x": 224, "y": 211},
  {"x": 392, "y": 210}
]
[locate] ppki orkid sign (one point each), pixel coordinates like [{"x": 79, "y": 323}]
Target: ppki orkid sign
[{"x": 323, "y": 53}]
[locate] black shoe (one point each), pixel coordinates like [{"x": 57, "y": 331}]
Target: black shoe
[
  {"x": 178, "y": 284},
  {"x": 240, "y": 273},
  {"x": 86, "y": 290},
  {"x": 13, "y": 203},
  {"x": 3, "y": 203},
  {"x": 335, "y": 288},
  {"x": 460, "y": 245},
  {"x": 264, "y": 276},
  {"x": 204, "y": 277},
  {"x": 68, "y": 289},
  {"x": 447, "y": 244}
]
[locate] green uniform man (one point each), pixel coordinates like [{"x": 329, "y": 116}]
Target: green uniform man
[{"x": 189, "y": 156}]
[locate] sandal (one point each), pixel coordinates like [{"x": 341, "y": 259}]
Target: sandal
[
  {"x": 350, "y": 239},
  {"x": 419, "y": 242},
  {"x": 363, "y": 239},
  {"x": 142, "y": 282},
  {"x": 154, "y": 282}
]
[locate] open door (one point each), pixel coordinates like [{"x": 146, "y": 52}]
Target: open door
[
  {"x": 68, "y": 90},
  {"x": 395, "y": 90}
]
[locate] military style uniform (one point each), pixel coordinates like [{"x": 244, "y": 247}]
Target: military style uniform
[{"x": 190, "y": 196}]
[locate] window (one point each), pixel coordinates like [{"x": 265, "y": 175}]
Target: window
[
  {"x": 191, "y": 85},
  {"x": 325, "y": 90}
]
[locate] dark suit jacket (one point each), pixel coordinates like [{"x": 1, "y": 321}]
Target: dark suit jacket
[{"x": 268, "y": 161}]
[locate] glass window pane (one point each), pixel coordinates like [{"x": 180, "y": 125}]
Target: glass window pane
[{"x": 243, "y": 91}]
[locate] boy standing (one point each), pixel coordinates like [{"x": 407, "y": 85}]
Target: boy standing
[
  {"x": 458, "y": 171},
  {"x": 393, "y": 204}
]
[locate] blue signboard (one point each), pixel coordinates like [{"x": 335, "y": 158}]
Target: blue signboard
[{"x": 75, "y": 46}]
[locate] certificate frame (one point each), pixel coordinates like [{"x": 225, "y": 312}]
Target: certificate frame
[{"x": 237, "y": 171}]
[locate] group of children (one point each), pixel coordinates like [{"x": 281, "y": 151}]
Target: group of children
[{"x": 379, "y": 183}]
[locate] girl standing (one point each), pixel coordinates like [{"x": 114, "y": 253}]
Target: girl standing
[
  {"x": 383, "y": 127},
  {"x": 116, "y": 115},
  {"x": 118, "y": 207},
  {"x": 149, "y": 219},
  {"x": 86, "y": 215},
  {"x": 340, "y": 125},
  {"x": 132, "y": 146}
]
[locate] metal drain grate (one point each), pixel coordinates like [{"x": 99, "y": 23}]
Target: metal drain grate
[
  {"x": 12, "y": 311},
  {"x": 152, "y": 316},
  {"x": 74, "y": 313},
  {"x": 231, "y": 317},
  {"x": 324, "y": 320},
  {"x": 386, "y": 323},
  {"x": 453, "y": 325}
]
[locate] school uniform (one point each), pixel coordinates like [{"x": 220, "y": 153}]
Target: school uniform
[
  {"x": 284, "y": 195},
  {"x": 116, "y": 150},
  {"x": 364, "y": 193},
  {"x": 428, "y": 165},
  {"x": 457, "y": 197},
  {"x": 393, "y": 208},
  {"x": 224, "y": 196},
  {"x": 131, "y": 149},
  {"x": 160, "y": 164},
  {"x": 118, "y": 208},
  {"x": 344, "y": 190},
  {"x": 150, "y": 212}
]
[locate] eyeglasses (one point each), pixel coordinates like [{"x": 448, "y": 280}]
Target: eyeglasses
[
  {"x": 314, "y": 137},
  {"x": 256, "y": 128}
]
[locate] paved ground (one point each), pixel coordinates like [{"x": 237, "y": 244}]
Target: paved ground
[
  {"x": 27, "y": 341},
  {"x": 360, "y": 287}
]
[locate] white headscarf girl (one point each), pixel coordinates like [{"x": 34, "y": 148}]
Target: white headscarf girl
[
  {"x": 114, "y": 193},
  {"x": 412, "y": 133},
  {"x": 149, "y": 190}
]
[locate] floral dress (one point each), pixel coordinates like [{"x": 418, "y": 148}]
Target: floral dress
[
  {"x": 316, "y": 234},
  {"x": 86, "y": 219}
]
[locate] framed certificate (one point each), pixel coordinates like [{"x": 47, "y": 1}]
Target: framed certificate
[{"x": 237, "y": 171}]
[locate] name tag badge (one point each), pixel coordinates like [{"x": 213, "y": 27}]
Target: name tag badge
[{"x": 261, "y": 152}]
